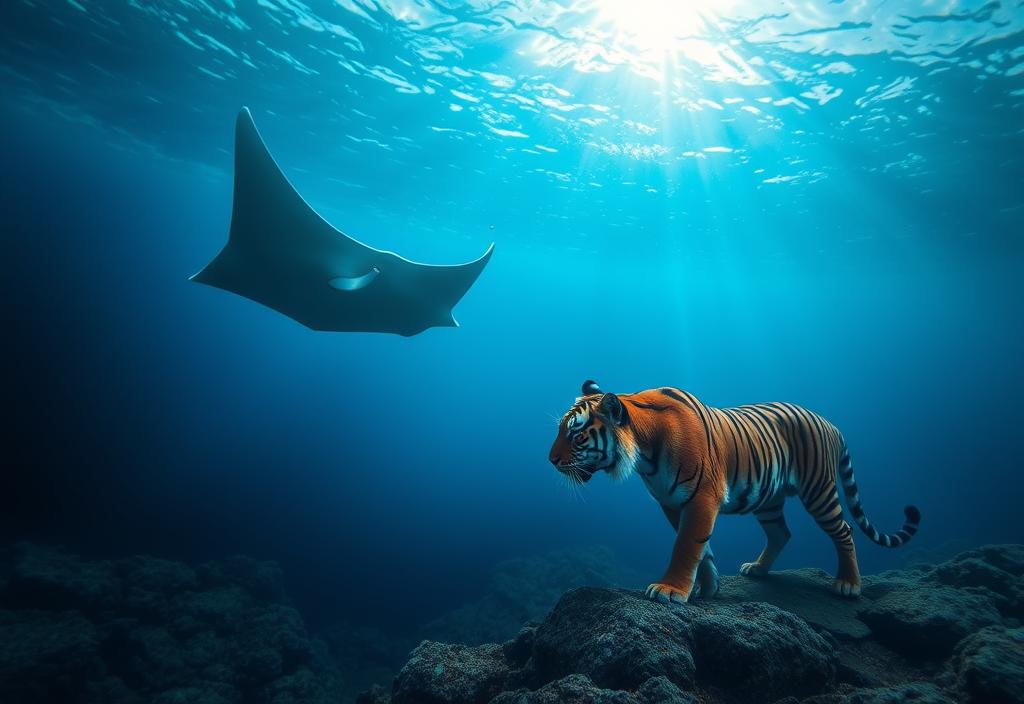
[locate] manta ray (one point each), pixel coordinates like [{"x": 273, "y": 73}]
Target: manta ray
[{"x": 282, "y": 254}]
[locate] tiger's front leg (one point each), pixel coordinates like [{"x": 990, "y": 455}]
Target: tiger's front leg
[{"x": 695, "y": 526}]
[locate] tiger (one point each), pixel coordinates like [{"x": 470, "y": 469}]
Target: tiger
[{"x": 697, "y": 462}]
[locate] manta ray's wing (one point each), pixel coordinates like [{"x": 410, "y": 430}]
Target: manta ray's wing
[{"x": 282, "y": 254}]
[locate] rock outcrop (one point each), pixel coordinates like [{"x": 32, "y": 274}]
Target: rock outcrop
[
  {"x": 988, "y": 666},
  {"x": 929, "y": 634},
  {"x": 149, "y": 630},
  {"x": 517, "y": 591}
]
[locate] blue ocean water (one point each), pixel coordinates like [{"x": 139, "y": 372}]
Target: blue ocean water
[{"x": 817, "y": 203}]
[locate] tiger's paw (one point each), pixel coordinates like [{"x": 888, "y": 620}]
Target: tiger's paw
[
  {"x": 845, "y": 588},
  {"x": 753, "y": 569},
  {"x": 666, "y": 594}
]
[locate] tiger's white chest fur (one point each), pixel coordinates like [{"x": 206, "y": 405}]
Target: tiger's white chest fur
[{"x": 659, "y": 480}]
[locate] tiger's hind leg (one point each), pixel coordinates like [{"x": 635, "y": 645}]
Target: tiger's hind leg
[
  {"x": 773, "y": 522},
  {"x": 828, "y": 513}
]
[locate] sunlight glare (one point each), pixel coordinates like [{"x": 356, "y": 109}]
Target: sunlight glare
[{"x": 655, "y": 25}]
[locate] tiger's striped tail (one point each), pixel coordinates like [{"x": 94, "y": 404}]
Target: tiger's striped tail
[{"x": 889, "y": 540}]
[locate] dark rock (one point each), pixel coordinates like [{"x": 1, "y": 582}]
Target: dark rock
[
  {"x": 519, "y": 591},
  {"x": 45, "y": 656},
  {"x": 927, "y": 621},
  {"x": 831, "y": 698},
  {"x": 759, "y": 649},
  {"x": 270, "y": 643},
  {"x": 110, "y": 689},
  {"x": 200, "y": 694},
  {"x": 620, "y": 640},
  {"x": 1009, "y": 558},
  {"x": 154, "y": 660},
  {"x": 263, "y": 580},
  {"x": 374, "y": 695},
  {"x": 149, "y": 583},
  {"x": 914, "y": 693},
  {"x": 221, "y": 608},
  {"x": 975, "y": 572},
  {"x": 48, "y": 579},
  {"x": 875, "y": 586},
  {"x": 439, "y": 673},
  {"x": 301, "y": 686},
  {"x": 617, "y": 638},
  {"x": 868, "y": 664},
  {"x": 660, "y": 690},
  {"x": 758, "y": 642},
  {"x": 147, "y": 630},
  {"x": 996, "y": 571},
  {"x": 579, "y": 689},
  {"x": 989, "y": 666},
  {"x": 574, "y": 689},
  {"x": 806, "y": 593},
  {"x": 155, "y": 575},
  {"x": 519, "y": 649}
]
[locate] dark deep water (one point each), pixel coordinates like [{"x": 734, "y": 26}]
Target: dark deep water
[{"x": 860, "y": 255}]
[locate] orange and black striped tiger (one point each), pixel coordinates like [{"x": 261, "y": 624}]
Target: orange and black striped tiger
[{"x": 699, "y": 461}]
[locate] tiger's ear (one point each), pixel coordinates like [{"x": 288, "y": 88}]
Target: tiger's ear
[
  {"x": 611, "y": 409},
  {"x": 590, "y": 388}
]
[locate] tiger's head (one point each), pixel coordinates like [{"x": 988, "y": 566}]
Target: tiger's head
[{"x": 593, "y": 436}]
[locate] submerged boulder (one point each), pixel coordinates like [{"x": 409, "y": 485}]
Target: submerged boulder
[
  {"x": 580, "y": 689},
  {"x": 52, "y": 580},
  {"x": 993, "y": 571},
  {"x": 806, "y": 593},
  {"x": 760, "y": 650},
  {"x": 439, "y": 673},
  {"x": 989, "y": 666},
  {"x": 928, "y": 621},
  {"x": 147, "y": 630},
  {"x": 617, "y": 638},
  {"x": 616, "y": 646},
  {"x": 784, "y": 638},
  {"x": 910, "y": 693},
  {"x": 913, "y": 693},
  {"x": 620, "y": 640},
  {"x": 46, "y": 655}
]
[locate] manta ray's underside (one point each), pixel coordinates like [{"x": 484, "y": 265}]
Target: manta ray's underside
[{"x": 282, "y": 254}]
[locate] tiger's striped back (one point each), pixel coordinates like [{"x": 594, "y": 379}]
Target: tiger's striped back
[{"x": 774, "y": 450}]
